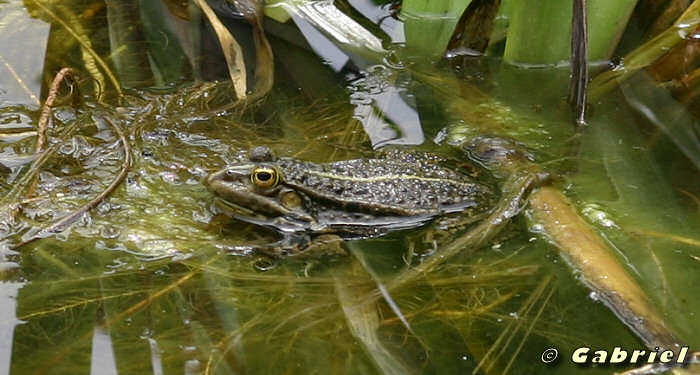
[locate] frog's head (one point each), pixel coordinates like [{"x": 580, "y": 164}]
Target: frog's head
[{"x": 254, "y": 191}]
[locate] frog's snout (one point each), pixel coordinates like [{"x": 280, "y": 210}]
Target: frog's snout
[{"x": 212, "y": 178}]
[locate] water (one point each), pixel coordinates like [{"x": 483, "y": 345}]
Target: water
[{"x": 147, "y": 282}]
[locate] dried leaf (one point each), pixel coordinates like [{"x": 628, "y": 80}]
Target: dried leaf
[{"x": 231, "y": 49}]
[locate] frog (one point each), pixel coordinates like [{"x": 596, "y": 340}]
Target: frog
[{"x": 360, "y": 198}]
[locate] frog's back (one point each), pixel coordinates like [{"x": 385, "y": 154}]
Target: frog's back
[{"x": 387, "y": 186}]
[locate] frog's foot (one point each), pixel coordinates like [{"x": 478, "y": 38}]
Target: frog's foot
[
  {"x": 275, "y": 250},
  {"x": 323, "y": 246},
  {"x": 303, "y": 247},
  {"x": 311, "y": 253}
]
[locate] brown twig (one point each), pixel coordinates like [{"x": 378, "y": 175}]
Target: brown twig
[
  {"x": 62, "y": 75},
  {"x": 40, "y": 147},
  {"x": 62, "y": 223},
  {"x": 43, "y": 125}
]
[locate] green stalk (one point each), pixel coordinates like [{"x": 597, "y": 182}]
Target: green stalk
[
  {"x": 428, "y": 25},
  {"x": 540, "y": 31},
  {"x": 607, "y": 21}
]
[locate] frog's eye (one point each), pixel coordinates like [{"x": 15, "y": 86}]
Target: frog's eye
[{"x": 264, "y": 177}]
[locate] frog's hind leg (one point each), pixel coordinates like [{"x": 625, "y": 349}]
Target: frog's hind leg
[
  {"x": 519, "y": 178},
  {"x": 447, "y": 228}
]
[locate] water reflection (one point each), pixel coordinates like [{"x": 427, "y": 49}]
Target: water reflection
[
  {"x": 331, "y": 55},
  {"x": 382, "y": 16},
  {"x": 21, "y": 68},
  {"x": 8, "y": 321},
  {"x": 385, "y": 110},
  {"x": 387, "y": 114},
  {"x": 102, "y": 361}
]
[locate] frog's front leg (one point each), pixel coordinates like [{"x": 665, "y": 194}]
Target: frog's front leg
[
  {"x": 324, "y": 245},
  {"x": 306, "y": 247},
  {"x": 288, "y": 245}
]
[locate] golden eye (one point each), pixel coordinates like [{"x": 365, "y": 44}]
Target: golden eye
[{"x": 265, "y": 177}]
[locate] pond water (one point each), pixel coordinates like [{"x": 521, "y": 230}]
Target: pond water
[{"x": 150, "y": 282}]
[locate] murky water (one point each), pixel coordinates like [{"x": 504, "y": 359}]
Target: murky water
[{"x": 148, "y": 282}]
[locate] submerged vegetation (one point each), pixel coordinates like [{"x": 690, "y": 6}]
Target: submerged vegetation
[{"x": 115, "y": 259}]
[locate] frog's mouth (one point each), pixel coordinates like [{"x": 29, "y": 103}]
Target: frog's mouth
[{"x": 236, "y": 210}]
